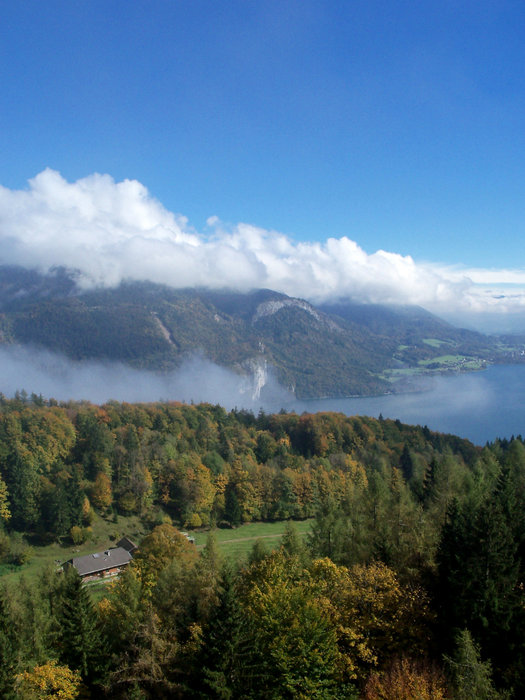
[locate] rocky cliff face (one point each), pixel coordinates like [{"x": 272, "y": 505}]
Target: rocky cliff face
[{"x": 256, "y": 377}]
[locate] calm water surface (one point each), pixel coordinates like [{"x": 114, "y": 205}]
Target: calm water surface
[{"x": 480, "y": 406}]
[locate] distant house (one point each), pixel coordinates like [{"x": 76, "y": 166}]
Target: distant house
[
  {"x": 102, "y": 564},
  {"x": 190, "y": 538}
]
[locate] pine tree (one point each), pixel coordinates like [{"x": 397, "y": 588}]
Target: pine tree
[
  {"x": 8, "y": 649},
  {"x": 216, "y": 667},
  {"x": 291, "y": 541},
  {"x": 472, "y": 678},
  {"x": 81, "y": 642},
  {"x": 232, "y": 509},
  {"x": 478, "y": 577},
  {"x": 406, "y": 464}
]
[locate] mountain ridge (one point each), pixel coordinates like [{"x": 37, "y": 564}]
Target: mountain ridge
[{"x": 332, "y": 349}]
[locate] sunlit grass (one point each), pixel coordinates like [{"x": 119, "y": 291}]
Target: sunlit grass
[
  {"x": 234, "y": 543},
  {"x": 237, "y": 543},
  {"x": 436, "y": 343},
  {"x": 106, "y": 533}
]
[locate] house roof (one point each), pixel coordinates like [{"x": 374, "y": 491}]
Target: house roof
[
  {"x": 101, "y": 561},
  {"x": 127, "y": 544}
]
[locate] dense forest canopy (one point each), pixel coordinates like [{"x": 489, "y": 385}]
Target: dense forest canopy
[{"x": 412, "y": 572}]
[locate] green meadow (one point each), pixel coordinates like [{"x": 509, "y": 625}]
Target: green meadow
[{"x": 235, "y": 544}]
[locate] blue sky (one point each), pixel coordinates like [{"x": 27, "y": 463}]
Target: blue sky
[{"x": 400, "y": 125}]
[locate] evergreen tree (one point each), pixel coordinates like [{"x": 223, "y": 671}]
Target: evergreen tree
[
  {"x": 259, "y": 551},
  {"x": 8, "y": 649},
  {"x": 406, "y": 464},
  {"x": 292, "y": 543},
  {"x": 216, "y": 666},
  {"x": 232, "y": 509},
  {"x": 478, "y": 577},
  {"x": 56, "y": 507},
  {"x": 471, "y": 677},
  {"x": 81, "y": 642}
]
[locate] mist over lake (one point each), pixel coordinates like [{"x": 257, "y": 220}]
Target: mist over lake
[{"x": 480, "y": 406}]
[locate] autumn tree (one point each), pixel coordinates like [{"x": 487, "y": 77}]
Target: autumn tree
[
  {"x": 375, "y": 616},
  {"x": 101, "y": 493},
  {"x": 5, "y": 513},
  {"x": 164, "y": 544},
  {"x": 293, "y": 651},
  {"x": 406, "y": 679},
  {"x": 48, "y": 681}
]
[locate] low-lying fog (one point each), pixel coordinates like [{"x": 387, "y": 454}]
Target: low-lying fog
[{"x": 197, "y": 380}]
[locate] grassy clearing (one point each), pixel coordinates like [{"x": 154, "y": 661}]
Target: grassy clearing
[
  {"x": 444, "y": 360},
  {"x": 405, "y": 373},
  {"x": 399, "y": 372},
  {"x": 436, "y": 343},
  {"x": 435, "y": 365},
  {"x": 236, "y": 544},
  {"x": 100, "y": 589},
  {"x": 106, "y": 533},
  {"x": 453, "y": 362}
]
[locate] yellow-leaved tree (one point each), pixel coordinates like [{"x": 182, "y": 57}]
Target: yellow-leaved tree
[
  {"x": 5, "y": 513},
  {"x": 101, "y": 494},
  {"x": 375, "y": 616},
  {"x": 48, "y": 681},
  {"x": 407, "y": 679}
]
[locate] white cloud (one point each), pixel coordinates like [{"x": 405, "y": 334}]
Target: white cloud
[{"x": 112, "y": 231}]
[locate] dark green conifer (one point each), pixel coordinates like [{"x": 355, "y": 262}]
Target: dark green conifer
[
  {"x": 217, "y": 665},
  {"x": 232, "y": 509},
  {"x": 478, "y": 580},
  {"x": 406, "y": 464},
  {"x": 8, "y": 649},
  {"x": 81, "y": 642}
]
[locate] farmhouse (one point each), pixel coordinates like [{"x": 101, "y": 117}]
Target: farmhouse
[{"x": 102, "y": 564}]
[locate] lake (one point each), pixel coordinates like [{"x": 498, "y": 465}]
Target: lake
[{"x": 480, "y": 406}]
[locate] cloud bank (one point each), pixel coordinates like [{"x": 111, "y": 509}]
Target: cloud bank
[{"x": 113, "y": 231}]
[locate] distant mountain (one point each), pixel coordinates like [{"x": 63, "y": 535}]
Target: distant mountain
[
  {"x": 419, "y": 336},
  {"x": 331, "y": 350}
]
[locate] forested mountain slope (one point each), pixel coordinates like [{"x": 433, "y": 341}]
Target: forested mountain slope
[{"x": 335, "y": 350}]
